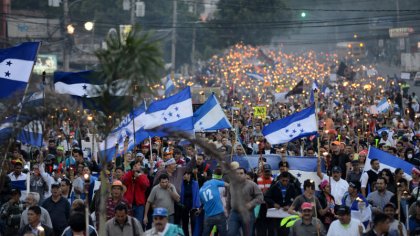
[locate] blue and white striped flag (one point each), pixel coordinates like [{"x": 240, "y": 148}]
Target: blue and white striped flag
[
  {"x": 314, "y": 87},
  {"x": 210, "y": 116},
  {"x": 256, "y": 76},
  {"x": 298, "y": 125},
  {"x": 174, "y": 113},
  {"x": 383, "y": 106},
  {"x": 169, "y": 86},
  {"x": 16, "y": 64},
  {"x": 125, "y": 134},
  {"x": 389, "y": 161},
  {"x": 32, "y": 133}
]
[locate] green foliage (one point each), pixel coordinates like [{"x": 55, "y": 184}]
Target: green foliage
[{"x": 137, "y": 61}]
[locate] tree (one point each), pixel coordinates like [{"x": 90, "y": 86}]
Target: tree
[{"x": 250, "y": 22}]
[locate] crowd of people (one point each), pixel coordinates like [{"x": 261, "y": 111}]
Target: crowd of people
[{"x": 167, "y": 186}]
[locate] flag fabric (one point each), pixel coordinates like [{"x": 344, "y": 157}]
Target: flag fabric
[
  {"x": 125, "y": 134},
  {"x": 389, "y": 161},
  {"x": 169, "y": 86},
  {"x": 210, "y": 116},
  {"x": 31, "y": 134},
  {"x": 174, "y": 113},
  {"x": 281, "y": 97},
  {"x": 255, "y": 76},
  {"x": 315, "y": 87},
  {"x": 383, "y": 106},
  {"x": 84, "y": 86},
  {"x": 6, "y": 128},
  {"x": 326, "y": 91},
  {"x": 345, "y": 71},
  {"x": 298, "y": 89},
  {"x": 301, "y": 167},
  {"x": 16, "y": 64},
  {"x": 298, "y": 125}
]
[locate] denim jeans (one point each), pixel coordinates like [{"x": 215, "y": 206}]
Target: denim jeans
[
  {"x": 138, "y": 213},
  {"x": 236, "y": 222},
  {"x": 217, "y": 220}
]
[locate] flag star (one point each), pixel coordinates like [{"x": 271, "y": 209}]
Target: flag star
[
  {"x": 302, "y": 130},
  {"x": 200, "y": 123},
  {"x": 287, "y": 131},
  {"x": 298, "y": 125},
  {"x": 163, "y": 114},
  {"x": 176, "y": 108},
  {"x": 178, "y": 115},
  {"x": 299, "y": 175},
  {"x": 294, "y": 131},
  {"x": 166, "y": 119},
  {"x": 84, "y": 87},
  {"x": 291, "y": 135},
  {"x": 7, "y": 74},
  {"x": 170, "y": 113},
  {"x": 9, "y": 63}
]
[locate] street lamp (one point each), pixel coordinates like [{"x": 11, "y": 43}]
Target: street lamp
[{"x": 89, "y": 25}]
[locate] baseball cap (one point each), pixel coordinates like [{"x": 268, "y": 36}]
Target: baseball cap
[
  {"x": 336, "y": 169},
  {"x": 343, "y": 210},
  {"x": 390, "y": 204},
  {"x": 306, "y": 206},
  {"x": 267, "y": 167},
  {"x": 118, "y": 183},
  {"x": 336, "y": 143},
  {"x": 160, "y": 212},
  {"x": 170, "y": 161}
]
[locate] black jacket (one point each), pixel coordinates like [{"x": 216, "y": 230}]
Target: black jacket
[
  {"x": 47, "y": 230},
  {"x": 273, "y": 195}
]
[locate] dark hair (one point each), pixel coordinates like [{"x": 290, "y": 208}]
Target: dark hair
[
  {"x": 402, "y": 180},
  {"x": 308, "y": 184},
  {"x": 241, "y": 168},
  {"x": 119, "y": 168},
  {"x": 380, "y": 218},
  {"x": 163, "y": 176},
  {"x": 78, "y": 151},
  {"x": 121, "y": 207},
  {"x": 380, "y": 177},
  {"x": 67, "y": 181},
  {"x": 373, "y": 160},
  {"x": 77, "y": 221},
  {"x": 398, "y": 170},
  {"x": 389, "y": 174},
  {"x": 35, "y": 209}
]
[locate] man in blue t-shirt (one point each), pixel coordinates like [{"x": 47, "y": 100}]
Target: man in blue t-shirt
[{"x": 212, "y": 204}]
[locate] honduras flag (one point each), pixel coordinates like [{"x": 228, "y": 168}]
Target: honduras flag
[
  {"x": 298, "y": 125},
  {"x": 315, "y": 87},
  {"x": 16, "y": 64},
  {"x": 389, "y": 161},
  {"x": 210, "y": 116},
  {"x": 88, "y": 88},
  {"x": 174, "y": 113},
  {"x": 255, "y": 76},
  {"x": 32, "y": 134},
  {"x": 383, "y": 106},
  {"x": 169, "y": 86},
  {"x": 302, "y": 168},
  {"x": 125, "y": 134},
  {"x": 6, "y": 128}
]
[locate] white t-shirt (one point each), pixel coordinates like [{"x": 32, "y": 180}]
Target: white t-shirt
[
  {"x": 352, "y": 229},
  {"x": 338, "y": 188}
]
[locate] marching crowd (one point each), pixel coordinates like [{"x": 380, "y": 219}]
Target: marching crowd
[{"x": 166, "y": 186}]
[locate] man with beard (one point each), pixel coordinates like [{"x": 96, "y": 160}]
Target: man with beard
[
  {"x": 161, "y": 226},
  {"x": 122, "y": 224},
  {"x": 338, "y": 158},
  {"x": 380, "y": 197},
  {"x": 308, "y": 225},
  {"x": 284, "y": 168}
]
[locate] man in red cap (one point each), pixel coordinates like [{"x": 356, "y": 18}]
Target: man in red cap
[{"x": 307, "y": 225}]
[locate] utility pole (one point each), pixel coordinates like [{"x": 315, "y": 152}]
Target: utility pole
[
  {"x": 193, "y": 36},
  {"x": 133, "y": 13},
  {"x": 174, "y": 22},
  {"x": 66, "y": 49}
]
